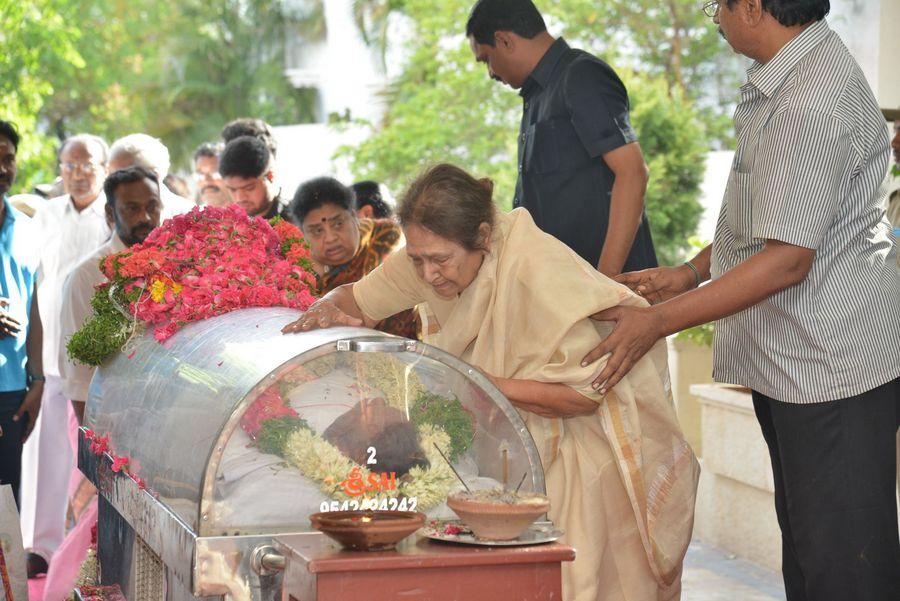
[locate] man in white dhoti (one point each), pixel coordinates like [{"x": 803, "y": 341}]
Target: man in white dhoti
[{"x": 70, "y": 227}]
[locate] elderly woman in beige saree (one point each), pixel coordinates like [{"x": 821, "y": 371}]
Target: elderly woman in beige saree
[{"x": 515, "y": 302}]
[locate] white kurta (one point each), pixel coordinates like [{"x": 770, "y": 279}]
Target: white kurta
[
  {"x": 65, "y": 237},
  {"x": 76, "y": 309},
  {"x": 172, "y": 204}
]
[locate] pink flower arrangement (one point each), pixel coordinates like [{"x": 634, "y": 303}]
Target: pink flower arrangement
[
  {"x": 205, "y": 263},
  {"x": 211, "y": 261},
  {"x": 268, "y": 405}
]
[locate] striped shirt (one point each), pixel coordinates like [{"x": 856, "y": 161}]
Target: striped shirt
[{"x": 811, "y": 170}]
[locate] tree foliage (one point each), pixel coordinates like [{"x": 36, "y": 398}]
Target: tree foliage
[
  {"x": 37, "y": 42},
  {"x": 674, "y": 144},
  {"x": 443, "y": 107},
  {"x": 180, "y": 70},
  {"x": 176, "y": 70},
  {"x": 672, "y": 40}
]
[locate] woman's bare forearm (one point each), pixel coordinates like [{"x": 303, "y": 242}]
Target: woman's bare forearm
[
  {"x": 545, "y": 398},
  {"x": 342, "y": 297}
]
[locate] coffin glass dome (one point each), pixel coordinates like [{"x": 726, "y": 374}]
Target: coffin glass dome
[{"x": 240, "y": 429}]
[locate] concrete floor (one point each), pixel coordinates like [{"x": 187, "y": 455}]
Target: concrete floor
[{"x": 712, "y": 575}]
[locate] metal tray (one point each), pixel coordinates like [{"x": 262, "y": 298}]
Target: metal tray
[{"x": 537, "y": 534}]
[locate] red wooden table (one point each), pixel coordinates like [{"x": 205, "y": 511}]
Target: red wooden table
[{"x": 422, "y": 570}]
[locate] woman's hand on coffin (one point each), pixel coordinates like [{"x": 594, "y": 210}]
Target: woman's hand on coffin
[
  {"x": 637, "y": 329},
  {"x": 321, "y": 314},
  {"x": 659, "y": 283}
]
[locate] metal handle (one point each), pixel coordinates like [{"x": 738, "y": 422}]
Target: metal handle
[
  {"x": 378, "y": 345},
  {"x": 273, "y": 562},
  {"x": 266, "y": 561}
]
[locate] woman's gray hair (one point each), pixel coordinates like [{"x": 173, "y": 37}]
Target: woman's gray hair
[{"x": 449, "y": 202}]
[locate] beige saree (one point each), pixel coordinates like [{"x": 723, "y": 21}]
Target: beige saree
[{"x": 621, "y": 481}]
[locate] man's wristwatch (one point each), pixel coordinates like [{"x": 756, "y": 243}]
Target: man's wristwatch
[{"x": 33, "y": 378}]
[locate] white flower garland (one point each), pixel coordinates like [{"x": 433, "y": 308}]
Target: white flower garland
[
  {"x": 324, "y": 464},
  {"x": 431, "y": 486}
]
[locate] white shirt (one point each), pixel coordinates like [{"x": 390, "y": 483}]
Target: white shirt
[
  {"x": 76, "y": 309},
  {"x": 65, "y": 238},
  {"x": 172, "y": 204}
]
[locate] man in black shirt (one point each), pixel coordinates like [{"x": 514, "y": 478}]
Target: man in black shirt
[{"x": 581, "y": 172}]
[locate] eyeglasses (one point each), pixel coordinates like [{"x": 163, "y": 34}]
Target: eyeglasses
[
  {"x": 85, "y": 168},
  {"x": 710, "y": 9},
  {"x": 204, "y": 176}
]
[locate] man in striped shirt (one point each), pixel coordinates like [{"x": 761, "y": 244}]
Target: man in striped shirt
[{"x": 805, "y": 292}]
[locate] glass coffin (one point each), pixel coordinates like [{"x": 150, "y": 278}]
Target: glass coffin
[{"x": 241, "y": 430}]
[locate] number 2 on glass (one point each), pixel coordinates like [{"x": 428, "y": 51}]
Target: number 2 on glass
[{"x": 371, "y": 460}]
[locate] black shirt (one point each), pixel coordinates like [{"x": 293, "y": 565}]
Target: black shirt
[
  {"x": 575, "y": 109},
  {"x": 277, "y": 209}
]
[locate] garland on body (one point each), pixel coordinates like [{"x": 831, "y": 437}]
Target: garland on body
[
  {"x": 207, "y": 262},
  {"x": 277, "y": 429}
]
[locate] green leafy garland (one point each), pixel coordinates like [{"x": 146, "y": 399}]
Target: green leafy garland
[
  {"x": 450, "y": 415},
  {"x": 110, "y": 328},
  {"x": 274, "y": 433}
]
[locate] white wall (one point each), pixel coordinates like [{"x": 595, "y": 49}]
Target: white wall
[
  {"x": 889, "y": 55},
  {"x": 351, "y": 76},
  {"x": 306, "y": 151},
  {"x": 347, "y": 74},
  {"x": 857, "y": 22},
  {"x": 871, "y": 30},
  {"x": 712, "y": 189}
]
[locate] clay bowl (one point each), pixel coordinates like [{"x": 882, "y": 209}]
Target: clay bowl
[
  {"x": 367, "y": 530},
  {"x": 492, "y": 520}
]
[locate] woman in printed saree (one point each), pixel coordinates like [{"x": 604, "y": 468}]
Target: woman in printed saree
[
  {"x": 344, "y": 247},
  {"x": 515, "y": 302}
]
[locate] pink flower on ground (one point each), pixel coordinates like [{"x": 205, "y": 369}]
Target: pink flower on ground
[
  {"x": 119, "y": 463},
  {"x": 100, "y": 444}
]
